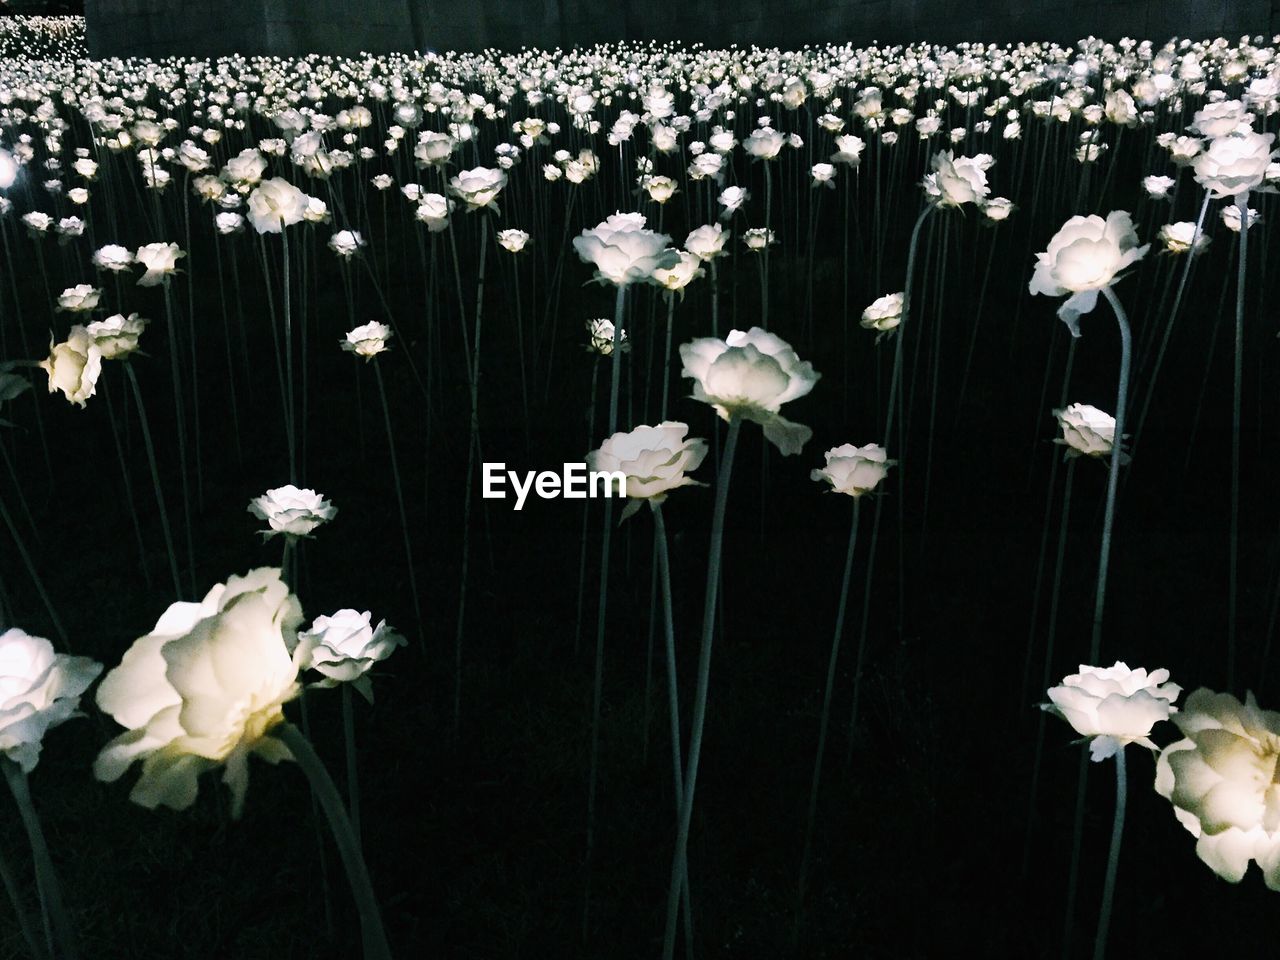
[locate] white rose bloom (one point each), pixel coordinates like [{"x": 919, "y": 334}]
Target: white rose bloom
[
  {"x": 204, "y": 689},
  {"x": 1220, "y": 119},
  {"x": 159, "y": 260},
  {"x": 884, "y": 314},
  {"x": 1230, "y": 216},
  {"x": 848, "y": 150},
  {"x": 1234, "y": 164},
  {"x": 1084, "y": 256},
  {"x": 81, "y": 298},
  {"x": 74, "y": 366},
  {"x": 757, "y": 238},
  {"x": 1086, "y": 431},
  {"x": 291, "y": 511},
  {"x": 1221, "y": 781},
  {"x": 246, "y": 168},
  {"x": 763, "y": 143},
  {"x": 956, "y": 181},
  {"x": 345, "y": 243},
  {"x": 275, "y": 204},
  {"x": 656, "y": 460},
  {"x": 623, "y": 251},
  {"x": 478, "y": 188},
  {"x": 601, "y": 334},
  {"x": 751, "y": 374},
  {"x": 368, "y": 340},
  {"x": 228, "y": 222},
  {"x": 1114, "y": 706},
  {"x": 112, "y": 257},
  {"x": 854, "y": 470},
  {"x": 116, "y": 337},
  {"x": 512, "y": 240},
  {"x": 433, "y": 210},
  {"x": 1177, "y": 237},
  {"x": 344, "y": 647},
  {"x": 998, "y": 209},
  {"x": 1157, "y": 187},
  {"x": 707, "y": 242},
  {"x": 680, "y": 275},
  {"x": 732, "y": 200},
  {"x": 39, "y": 689}
]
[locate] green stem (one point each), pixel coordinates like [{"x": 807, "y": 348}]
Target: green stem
[
  {"x": 353, "y": 772},
  {"x": 1242, "y": 204},
  {"x": 704, "y": 679},
  {"x": 373, "y": 937},
  {"x": 62, "y": 941},
  {"x": 404, "y": 517},
  {"x": 1113, "y": 861},
  {"x": 155, "y": 478}
]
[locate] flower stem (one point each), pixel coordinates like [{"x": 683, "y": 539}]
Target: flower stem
[
  {"x": 24, "y": 921},
  {"x": 353, "y": 772},
  {"x": 404, "y": 517},
  {"x": 155, "y": 479},
  {"x": 1113, "y": 860},
  {"x": 1242, "y": 204},
  {"x": 62, "y": 940},
  {"x": 1122, "y": 396},
  {"x": 826, "y": 713},
  {"x": 704, "y": 678},
  {"x": 373, "y": 937}
]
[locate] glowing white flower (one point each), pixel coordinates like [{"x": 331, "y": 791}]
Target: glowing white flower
[
  {"x": 344, "y": 647},
  {"x": 655, "y": 460},
  {"x": 39, "y": 689},
  {"x": 852, "y": 470},
  {"x": 884, "y": 314},
  {"x": 367, "y": 340},
  {"x": 275, "y": 204},
  {"x": 117, "y": 336},
  {"x": 74, "y": 366},
  {"x": 159, "y": 261},
  {"x": 623, "y": 251},
  {"x": 291, "y": 511},
  {"x": 1114, "y": 706},
  {"x": 1084, "y": 256}
]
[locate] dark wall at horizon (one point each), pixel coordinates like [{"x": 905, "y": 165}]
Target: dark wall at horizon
[{"x": 284, "y": 27}]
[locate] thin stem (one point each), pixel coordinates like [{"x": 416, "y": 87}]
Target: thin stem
[
  {"x": 404, "y": 516},
  {"x": 353, "y": 772},
  {"x": 1113, "y": 860},
  {"x": 373, "y": 937},
  {"x": 62, "y": 944},
  {"x": 1237, "y": 381},
  {"x": 11, "y": 887},
  {"x": 155, "y": 478},
  {"x": 704, "y": 677},
  {"x": 826, "y": 712}
]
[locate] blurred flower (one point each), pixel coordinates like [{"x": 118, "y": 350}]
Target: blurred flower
[
  {"x": 1114, "y": 706},
  {"x": 81, "y": 298},
  {"x": 159, "y": 260},
  {"x": 1084, "y": 256},
  {"x": 513, "y": 241},
  {"x": 623, "y": 251},
  {"x": 654, "y": 459},
  {"x": 204, "y": 689},
  {"x": 368, "y": 340},
  {"x": 998, "y": 208},
  {"x": 957, "y": 181},
  {"x": 707, "y": 242},
  {"x": 117, "y": 336},
  {"x": 39, "y": 689},
  {"x": 275, "y": 204},
  {"x": 680, "y": 275},
  {"x": 112, "y": 257},
  {"x": 291, "y": 511},
  {"x": 74, "y": 366},
  {"x": 1230, "y": 216},
  {"x": 854, "y": 470},
  {"x": 433, "y": 209},
  {"x": 1234, "y": 164},
  {"x": 751, "y": 374},
  {"x": 601, "y": 333},
  {"x": 344, "y": 647},
  {"x": 757, "y": 238},
  {"x": 346, "y": 243},
  {"x": 1157, "y": 187},
  {"x": 1177, "y": 237},
  {"x": 732, "y": 199}
]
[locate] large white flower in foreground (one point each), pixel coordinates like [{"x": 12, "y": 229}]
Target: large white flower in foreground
[
  {"x": 623, "y": 251},
  {"x": 1221, "y": 780},
  {"x": 956, "y": 181},
  {"x": 656, "y": 460},
  {"x": 344, "y": 647},
  {"x": 291, "y": 511},
  {"x": 854, "y": 470},
  {"x": 751, "y": 374},
  {"x": 1114, "y": 706},
  {"x": 1235, "y": 164},
  {"x": 1084, "y": 256},
  {"x": 204, "y": 689},
  {"x": 275, "y": 204},
  {"x": 74, "y": 366},
  {"x": 39, "y": 689}
]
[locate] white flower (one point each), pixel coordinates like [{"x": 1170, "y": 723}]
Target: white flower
[
  {"x": 679, "y": 275},
  {"x": 112, "y": 257},
  {"x": 957, "y": 181},
  {"x": 1177, "y": 237},
  {"x": 1084, "y": 256},
  {"x": 345, "y": 243},
  {"x": 1114, "y": 706},
  {"x": 344, "y": 647},
  {"x": 998, "y": 208},
  {"x": 512, "y": 240},
  {"x": 117, "y": 336},
  {"x": 763, "y": 143},
  {"x": 601, "y": 334},
  {"x": 757, "y": 238},
  {"x": 884, "y": 314},
  {"x": 276, "y": 204},
  {"x": 848, "y": 150},
  {"x": 159, "y": 260},
  {"x": 823, "y": 175},
  {"x": 478, "y": 188},
  {"x": 854, "y": 470},
  {"x": 1221, "y": 781},
  {"x": 1234, "y": 164},
  {"x": 246, "y": 168},
  {"x": 74, "y": 366},
  {"x": 368, "y": 340},
  {"x": 732, "y": 200},
  {"x": 707, "y": 242},
  {"x": 39, "y": 689},
  {"x": 81, "y": 298},
  {"x": 1220, "y": 119},
  {"x": 1157, "y": 187},
  {"x": 228, "y": 222},
  {"x": 654, "y": 459},
  {"x": 204, "y": 689},
  {"x": 660, "y": 189},
  {"x": 1086, "y": 431},
  {"x": 1230, "y": 215},
  {"x": 751, "y": 374},
  {"x": 291, "y": 511},
  {"x": 433, "y": 210},
  {"x": 623, "y": 251}
]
